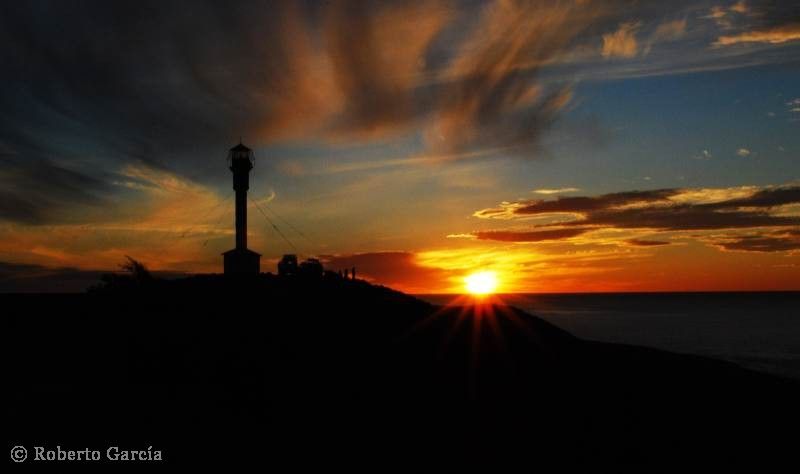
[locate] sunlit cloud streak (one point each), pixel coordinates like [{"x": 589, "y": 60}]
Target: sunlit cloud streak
[
  {"x": 530, "y": 236},
  {"x": 665, "y": 210},
  {"x": 779, "y": 241},
  {"x": 547, "y": 191},
  {"x": 774, "y": 35},
  {"x": 646, "y": 243}
]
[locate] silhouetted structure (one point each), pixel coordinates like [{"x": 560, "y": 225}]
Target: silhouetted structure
[
  {"x": 288, "y": 265},
  {"x": 241, "y": 260},
  {"x": 311, "y": 268}
]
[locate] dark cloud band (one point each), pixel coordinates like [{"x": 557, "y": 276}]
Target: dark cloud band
[{"x": 659, "y": 210}]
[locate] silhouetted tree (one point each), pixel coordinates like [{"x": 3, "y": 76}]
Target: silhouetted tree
[
  {"x": 136, "y": 276},
  {"x": 138, "y": 271}
]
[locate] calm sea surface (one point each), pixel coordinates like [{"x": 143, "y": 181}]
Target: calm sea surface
[{"x": 756, "y": 330}]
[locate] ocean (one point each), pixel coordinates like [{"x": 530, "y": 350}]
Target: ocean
[{"x": 760, "y": 331}]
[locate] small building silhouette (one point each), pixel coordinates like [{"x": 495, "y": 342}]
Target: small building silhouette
[
  {"x": 311, "y": 268},
  {"x": 241, "y": 260},
  {"x": 288, "y": 265}
]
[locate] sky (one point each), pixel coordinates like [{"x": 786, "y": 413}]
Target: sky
[{"x": 568, "y": 146}]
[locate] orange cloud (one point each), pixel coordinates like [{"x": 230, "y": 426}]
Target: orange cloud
[
  {"x": 773, "y": 35},
  {"x": 621, "y": 43},
  {"x": 555, "y": 191},
  {"x": 399, "y": 270},
  {"x": 168, "y": 222},
  {"x": 740, "y": 7}
]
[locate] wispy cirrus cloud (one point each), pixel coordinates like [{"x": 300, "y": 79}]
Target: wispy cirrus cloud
[
  {"x": 38, "y": 190},
  {"x": 669, "y": 30},
  {"x": 467, "y": 76}
]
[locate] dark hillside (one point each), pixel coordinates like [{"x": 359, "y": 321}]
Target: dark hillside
[{"x": 341, "y": 373}]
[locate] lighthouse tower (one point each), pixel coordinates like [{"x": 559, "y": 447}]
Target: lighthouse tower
[{"x": 241, "y": 260}]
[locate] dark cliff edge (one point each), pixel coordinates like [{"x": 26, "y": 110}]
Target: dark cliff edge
[{"x": 337, "y": 373}]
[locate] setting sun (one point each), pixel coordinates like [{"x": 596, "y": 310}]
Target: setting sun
[{"x": 481, "y": 283}]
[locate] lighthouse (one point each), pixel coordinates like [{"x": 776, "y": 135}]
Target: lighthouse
[{"x": 241, "y": 260}]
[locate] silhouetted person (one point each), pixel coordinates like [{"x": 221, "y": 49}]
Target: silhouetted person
[
  {"x": 346, "y": 274},
  {"x": 354, "y": 273}
]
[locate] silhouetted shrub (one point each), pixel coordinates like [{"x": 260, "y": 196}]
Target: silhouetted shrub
[{"x": 136, "y": 276}]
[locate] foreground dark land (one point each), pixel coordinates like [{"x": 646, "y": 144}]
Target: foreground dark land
[{"x": 333, "y": 373}]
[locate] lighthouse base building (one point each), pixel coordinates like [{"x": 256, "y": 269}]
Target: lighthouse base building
[{"x": 241, "y": 262}]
